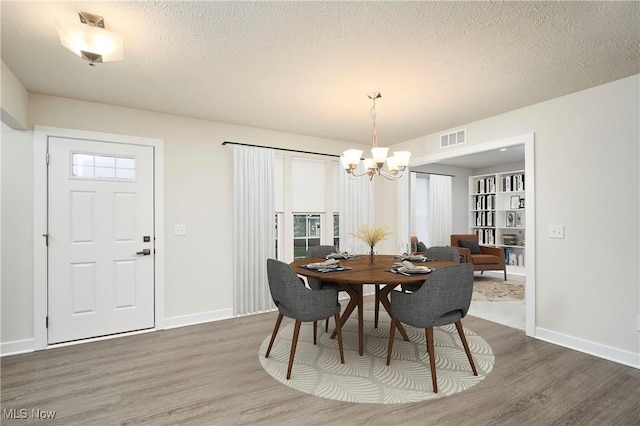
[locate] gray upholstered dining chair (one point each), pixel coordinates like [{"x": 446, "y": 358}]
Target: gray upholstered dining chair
[
  {"x": 320, "y": 251},
  {"x": 316, "y": 284},
  {"x": 432, "y": 253},
  {"x": 436, "y": 253},
  {"x": 296, "y": 301},
  {"x": 443, "y": 299},
  {"x": 443, "y": 253}
]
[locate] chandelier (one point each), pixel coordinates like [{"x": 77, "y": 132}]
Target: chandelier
[{"x": 396, "y": 164}]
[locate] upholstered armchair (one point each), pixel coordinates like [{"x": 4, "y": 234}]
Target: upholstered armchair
[{"x": 483, "y": 258}]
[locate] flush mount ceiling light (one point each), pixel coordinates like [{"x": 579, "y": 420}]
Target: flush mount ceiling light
[
  {"x": 396, "y": 164},
  {"x": 89, "y": 40}
]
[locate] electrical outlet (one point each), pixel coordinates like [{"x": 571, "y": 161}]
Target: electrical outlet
[
  {"x": 556, "y": 231},
  {"x": 180, "y": 229}
]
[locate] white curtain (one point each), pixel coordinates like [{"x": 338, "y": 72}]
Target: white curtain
[
  {"x": 419, "y": 190},
  {"x": 405, "y": 201},
  {"x": 356, "y": 209},
  {"x": 253, "y": 228},
  {"x": 440, "y": 210}
]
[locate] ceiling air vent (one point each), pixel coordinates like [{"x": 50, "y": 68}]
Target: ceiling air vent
[{"x": 455, "y": 138}]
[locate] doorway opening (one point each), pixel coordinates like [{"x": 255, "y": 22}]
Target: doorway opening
[{"x": 482, "y": 157}]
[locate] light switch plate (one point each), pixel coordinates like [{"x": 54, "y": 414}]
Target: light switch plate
[
  {"x": 556, "y": 231},
  {"x": 180, "y": 229}
]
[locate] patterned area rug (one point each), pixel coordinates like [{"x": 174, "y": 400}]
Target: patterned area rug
[
  {"x": 491, "y": 289},
  {"x": 367, "y": 379}
]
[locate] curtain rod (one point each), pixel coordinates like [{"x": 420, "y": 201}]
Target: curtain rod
[
  {"x": 315, "y": 153},
  {"x": 432, "y": 173},
  {"x": 280, "y": 149}
]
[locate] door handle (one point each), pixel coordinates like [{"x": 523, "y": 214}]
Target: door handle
[{"x": 145, "y": 252}]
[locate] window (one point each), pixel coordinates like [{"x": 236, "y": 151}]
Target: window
[
  {"x": 279, "y": 233},
  {"x": 305, "y": 202},
  {"x": 306, "y": 233},
  {"x": 90, "y": 166}
]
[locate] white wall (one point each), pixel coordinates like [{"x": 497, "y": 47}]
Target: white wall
[
  {"x": 586, "y": 155},
  {"x": 587, "y": 159},
  {"x": 17, "y": 235},
  {"x": 198, "y": 279},
  {"x": 14, "y": 99}
]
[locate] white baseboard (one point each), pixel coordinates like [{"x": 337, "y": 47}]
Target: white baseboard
[
  {"x": 17, "y": 347},
  {"x": 596, "y": 349},
  {"x": 28, "y": 345},
  {"x": 185, "y": 320}
]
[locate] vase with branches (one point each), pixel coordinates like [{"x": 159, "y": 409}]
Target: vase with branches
[{"x": 372, "y": 235}]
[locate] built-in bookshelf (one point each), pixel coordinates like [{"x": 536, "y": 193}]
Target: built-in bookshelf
[{"x": 497, "y": 214}]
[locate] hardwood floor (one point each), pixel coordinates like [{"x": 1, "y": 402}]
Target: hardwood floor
[{"x": 210, "y": 374}]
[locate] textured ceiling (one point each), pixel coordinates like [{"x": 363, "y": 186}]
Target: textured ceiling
[{"x": 306, "y": 67}]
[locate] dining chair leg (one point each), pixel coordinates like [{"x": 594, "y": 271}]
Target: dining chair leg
[
  {"x": 466, "y": 346},
  {"x": 273, "y": 335},
  {"x": 390, "y": 345},
  {"x": 376, "y": 308},
  {"x": 294, "y": 343},
  {"x": 339, "y": 333},
  {"x": 505, "y": 273},
  {"x": 315, "y": 332},
  {"x": 432, "y": 358},
  {"x": 326, "y": 325}
]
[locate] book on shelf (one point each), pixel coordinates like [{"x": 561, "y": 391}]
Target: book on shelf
[
  {"x": 484, "y": 202},
  {"x": 486, "y": 236},
  {"x": 483, "y": 218},
  {"x": 512, "y": 183},
  {"x": 486, "y": 185}
]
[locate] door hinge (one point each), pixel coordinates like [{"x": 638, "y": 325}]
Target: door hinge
[
  {"x": 46, "y": 322},
  {"x": 46, "y": 239},
  {"x": 46, "y": 158}
]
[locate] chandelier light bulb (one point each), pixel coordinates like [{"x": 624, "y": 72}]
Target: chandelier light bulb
[
  {"x": 369, "y": 164},
  {"x": 379, "y": 154},
  {"x": 392, "y": 164},
  {"x": 402, "y": 158},
  {"x": 350, "y": 159}
]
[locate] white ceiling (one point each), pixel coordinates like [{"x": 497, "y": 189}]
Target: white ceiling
[
  {"x": 306, "y": 67},
  {"x": 479, "y": 160}
]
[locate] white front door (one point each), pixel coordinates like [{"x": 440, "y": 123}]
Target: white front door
[{"x": 100, "y": 238}]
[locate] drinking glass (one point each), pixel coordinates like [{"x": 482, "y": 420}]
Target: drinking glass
[{"x": 403, "y": 248}]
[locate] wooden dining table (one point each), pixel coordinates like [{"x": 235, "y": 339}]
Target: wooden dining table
[{"x": 362, "y": 272}]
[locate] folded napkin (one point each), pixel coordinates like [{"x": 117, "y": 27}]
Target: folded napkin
[
  {"x": 329, "y": 263},
  {"x": 410, "y": 267},
  {"x": 343, "y": 255},
  {"x": 414, "y": 257}
]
